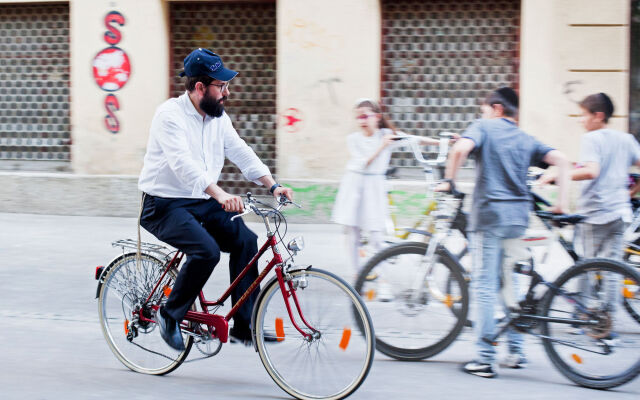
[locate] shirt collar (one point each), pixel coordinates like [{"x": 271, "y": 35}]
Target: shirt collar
[{"x": 188, "y": 105}]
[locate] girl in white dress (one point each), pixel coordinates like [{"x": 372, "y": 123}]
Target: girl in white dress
[{"x": 361, "y": 202}]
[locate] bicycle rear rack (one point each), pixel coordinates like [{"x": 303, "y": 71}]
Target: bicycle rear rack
[{"x": 144, "y": 247}]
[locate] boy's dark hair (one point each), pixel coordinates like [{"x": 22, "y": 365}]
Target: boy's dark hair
[
  {"x": 598, "y": 102},
  {"x": 507, "y": 98},
  {"x": 190, "y": 83}
]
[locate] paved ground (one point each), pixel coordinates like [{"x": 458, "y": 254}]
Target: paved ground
[{"x": 51, "y": 345}]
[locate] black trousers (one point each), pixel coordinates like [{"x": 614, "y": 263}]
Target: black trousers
[{"x": 201, "y": 229}]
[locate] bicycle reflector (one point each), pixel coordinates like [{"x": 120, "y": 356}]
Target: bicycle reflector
[
  {"x": 99, "y": 270},
  {"x": 627, "y": 293},
  {"x": 279, "y": 329},
  {"x": 371, "y": 294},
  {"x": 346, "y": 337}
]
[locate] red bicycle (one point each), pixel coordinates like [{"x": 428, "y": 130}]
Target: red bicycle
[{"x": 324, "y": 336}]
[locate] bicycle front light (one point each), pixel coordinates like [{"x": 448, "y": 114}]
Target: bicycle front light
[{"x": 297, "y": 244}]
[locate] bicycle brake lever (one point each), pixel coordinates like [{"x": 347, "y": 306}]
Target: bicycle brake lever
[
  {"x": 248, "y": 208},
  {"x": 284, "y": 201}
]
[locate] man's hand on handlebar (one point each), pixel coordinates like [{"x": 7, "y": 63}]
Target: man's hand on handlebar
[
  {"x": 283, "y": 191},
  {"x": 230, "y": 203}
]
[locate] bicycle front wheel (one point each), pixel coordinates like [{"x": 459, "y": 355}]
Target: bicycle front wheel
[
  {"x": 135, "y": 342},
  {"x": 416, "y": 313},
  {"x": 332, "y": 363},
  {"x": 589, "y": 337}
]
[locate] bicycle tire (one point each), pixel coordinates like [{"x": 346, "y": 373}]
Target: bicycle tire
[
  {"x": 598, "y": 381},
  {"x": 350, "y": 354},
  {"x": 459, "y": 312},
  {"x": 635, "y": 313},
  {"x": 124, "y": 350}
]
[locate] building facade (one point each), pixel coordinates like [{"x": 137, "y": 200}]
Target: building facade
[{"x": 80, "y": 80}]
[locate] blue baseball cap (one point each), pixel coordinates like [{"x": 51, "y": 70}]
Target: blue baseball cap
[{"x": 205, "y": 62}]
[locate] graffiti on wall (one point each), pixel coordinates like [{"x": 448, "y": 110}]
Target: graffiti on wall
[
  {"x": 317, "y": 202},
  {"x": 112, "y": 69},
  {"x": 291, "y": 119}
]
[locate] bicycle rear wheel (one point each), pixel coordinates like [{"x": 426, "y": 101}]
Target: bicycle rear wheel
[
  {"x": 605, "y": 353},
  {"x": 632, "y": 303},
  {"x": 414, "y": 320},
  {"x": 334, "y": 363},
  {"x": 136, "y": 343}
]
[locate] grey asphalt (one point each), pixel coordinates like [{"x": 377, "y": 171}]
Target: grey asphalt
[{"x": 51, "y": 345}]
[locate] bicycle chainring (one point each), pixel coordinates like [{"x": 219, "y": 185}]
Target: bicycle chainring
[
  {"x": 600, "y": 330},
  {"x": 205, "y": 343}
]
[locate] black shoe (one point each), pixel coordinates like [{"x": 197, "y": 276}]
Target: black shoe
[
  {"x": 169, "y": 330},
  {"x": 484, "y": 370},
  {"x": 239, "y": 335}
]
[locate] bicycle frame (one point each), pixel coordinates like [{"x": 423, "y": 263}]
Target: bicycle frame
[
  {"x": 529, "y": 306},
  {"x": 219, "y": 323}
]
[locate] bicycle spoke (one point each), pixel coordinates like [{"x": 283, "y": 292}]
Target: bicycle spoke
[
  {"x": 331, "y": 363},
  {"x": 135, "y": 341},
  {"x": 601, "y": 350}
]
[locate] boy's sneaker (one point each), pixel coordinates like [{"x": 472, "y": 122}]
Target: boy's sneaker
[
  {"x": 384, "y": 292},
  {"x": 515, "y": 361},
  {"x": 483, "y": 370}
]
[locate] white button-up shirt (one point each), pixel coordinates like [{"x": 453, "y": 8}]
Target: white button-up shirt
[{"x": 186, "y": 152}]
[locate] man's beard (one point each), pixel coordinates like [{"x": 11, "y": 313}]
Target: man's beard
[{"x": 211, "y": 106}]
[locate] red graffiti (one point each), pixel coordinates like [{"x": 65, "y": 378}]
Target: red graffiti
[
  {"x": 113, "y": 35},
  {"x": 292, "y": 119},
  {"x": 112, "y": 105},
  {"x": 111, "y": 68}
]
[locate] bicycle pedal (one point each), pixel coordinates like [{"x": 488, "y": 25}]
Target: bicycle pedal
[{"x": 489, "y": 341}]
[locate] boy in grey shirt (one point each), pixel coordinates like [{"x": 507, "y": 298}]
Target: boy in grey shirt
[
  {"x": 605, "y": 158},
  {"x": 500, "y": 210}
]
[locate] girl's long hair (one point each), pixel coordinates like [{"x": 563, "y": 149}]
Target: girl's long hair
[{"x": 375, "y": 107}]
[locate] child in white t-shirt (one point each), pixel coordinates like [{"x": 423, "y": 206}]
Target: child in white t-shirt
[{"x": 361, "y": 203}]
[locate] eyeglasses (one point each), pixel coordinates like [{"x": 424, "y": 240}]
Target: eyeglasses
[
  {"x": 365, "y": 116},
  {"x": 221, "y": 86}
]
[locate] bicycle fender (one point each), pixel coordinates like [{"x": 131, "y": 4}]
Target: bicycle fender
[
  {"x": 106, "y": 269},
  {"x": 299, "y": 268}
]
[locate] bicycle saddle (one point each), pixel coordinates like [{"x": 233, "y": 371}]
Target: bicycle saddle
[{"x": 561, "y": 219}]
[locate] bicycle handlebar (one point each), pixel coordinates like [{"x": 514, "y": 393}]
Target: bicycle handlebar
[
  {"x": 443, "y": 148},
  {"x": 249, "y": 206}
]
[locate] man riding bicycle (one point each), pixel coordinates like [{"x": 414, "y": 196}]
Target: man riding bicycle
[{"x": 190, "y": 137}]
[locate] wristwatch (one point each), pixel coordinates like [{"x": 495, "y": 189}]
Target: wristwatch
[{"x": 274, "y": 187}]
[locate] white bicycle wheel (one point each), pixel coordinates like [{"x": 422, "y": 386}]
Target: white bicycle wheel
[
  {"x": 336, "y": 360},
  {"x": 137, "y": 344}
]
